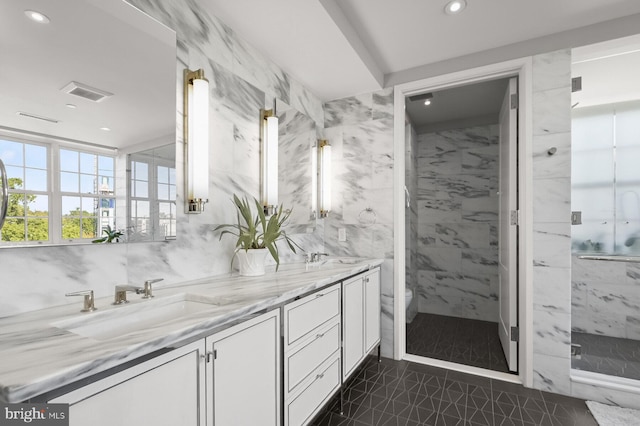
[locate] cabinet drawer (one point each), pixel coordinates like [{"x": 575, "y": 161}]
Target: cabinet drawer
[
  {"x": 307, "y": 314},
  {"x": 302, "y": 363},
  {"x": 311, "y": 399}
]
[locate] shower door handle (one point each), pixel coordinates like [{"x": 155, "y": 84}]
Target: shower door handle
[{"x": 5, "y": 194}]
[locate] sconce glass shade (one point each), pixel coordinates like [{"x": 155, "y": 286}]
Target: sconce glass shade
[
  {"x": 269, "y": 161},
  {"x": 325, "y": 178},
  {"x": 314, "y": 180},
  {"x": 196, "y": 140}
]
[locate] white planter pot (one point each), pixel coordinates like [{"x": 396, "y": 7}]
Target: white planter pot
[{"x": 251, "y": 262}]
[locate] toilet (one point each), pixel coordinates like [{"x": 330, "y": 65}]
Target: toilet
[{"x": 408, "y": 296}]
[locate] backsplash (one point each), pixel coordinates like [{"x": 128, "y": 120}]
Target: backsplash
[{"x": 242, "y": 81}]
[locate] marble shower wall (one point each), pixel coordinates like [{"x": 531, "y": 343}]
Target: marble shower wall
[
  {"x": 551, "y": 222},
  {"x": 605, "y": 298},
  {"x": 242, "y": 81},
  {"x": 457, "y": 223},
  {"x": 411, "y": 216},
  {"x": 360, "y": 130}
]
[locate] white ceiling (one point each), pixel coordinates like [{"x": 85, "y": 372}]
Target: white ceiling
[
  {"x": 340, "y": 48},
  {"x": 88, "y": 41}
]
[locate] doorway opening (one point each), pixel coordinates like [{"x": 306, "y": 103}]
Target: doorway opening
[
  {"x": 520, "y": 212},
  {"x": 460, "y": 169}
]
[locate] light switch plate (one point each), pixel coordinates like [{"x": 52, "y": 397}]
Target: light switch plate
[{"x": 342, "y": 234}]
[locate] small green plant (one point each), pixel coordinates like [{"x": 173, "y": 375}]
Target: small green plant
[
  {"x": 111, "y": 235},
  {"x": 258, "y": 232}
]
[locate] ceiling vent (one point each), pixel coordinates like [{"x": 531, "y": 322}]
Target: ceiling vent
[
  {"x": 87, "y": 92},
  {"x": 37, "y": 117}
]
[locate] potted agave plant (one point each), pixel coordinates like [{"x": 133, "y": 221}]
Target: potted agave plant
[{"x": 256, "y": 236}]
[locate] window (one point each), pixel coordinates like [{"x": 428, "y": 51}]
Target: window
[
  {"x": 68, "y": 199},
  {"x": 605, "y": 183},
  {"x": 28, "y": 208},
  {"x": 152, "y": 197}
]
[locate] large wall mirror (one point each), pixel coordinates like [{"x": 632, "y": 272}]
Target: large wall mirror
[
  {"x": 297, "y": 137},
  {"x": 83, "y": 83}
]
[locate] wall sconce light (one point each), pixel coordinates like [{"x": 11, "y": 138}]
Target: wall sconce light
[
  {"x": 196, "y": 139},
  {"x": 314, "y": 180},
  {"x": 269, "y": 160},
  {"x": 325, "y": 177}
]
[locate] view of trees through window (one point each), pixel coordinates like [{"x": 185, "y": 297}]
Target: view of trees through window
[{"x": 85, "y": 198}]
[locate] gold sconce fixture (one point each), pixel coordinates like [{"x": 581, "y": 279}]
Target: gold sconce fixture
[
  {"x": 269, "y": 160},
  {"x": 324, "y": 159},
  {"x": 196, "y": 140}
]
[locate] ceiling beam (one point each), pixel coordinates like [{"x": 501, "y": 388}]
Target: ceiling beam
[
  {"x": 353, "y": 38},
  {"x": 603, "y": 31}
]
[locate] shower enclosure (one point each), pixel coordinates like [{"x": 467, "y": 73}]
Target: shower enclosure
[{"x": 605, "y": 203}]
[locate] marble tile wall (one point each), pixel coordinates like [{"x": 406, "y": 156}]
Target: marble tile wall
[
  {"x": 551, "y": 221},
  {"x": 360, "y": 129},
  {"x": 411, "y": 217},
  {"x": 605, "y": 298},
  {"x": 457, "y": 223},
  {"x": 242, "y": 81}
]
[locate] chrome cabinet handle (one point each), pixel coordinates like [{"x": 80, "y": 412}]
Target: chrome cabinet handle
[{"x": 5, "y": 194}]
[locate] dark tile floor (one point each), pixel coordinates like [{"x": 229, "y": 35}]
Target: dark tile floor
[
  {"x": 404, "y": 393},
  {"x": 607, "y": 355},
  {"x": 463, "y": 341}
]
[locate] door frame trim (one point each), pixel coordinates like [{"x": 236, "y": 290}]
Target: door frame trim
[{"x": 523, "y": 69}]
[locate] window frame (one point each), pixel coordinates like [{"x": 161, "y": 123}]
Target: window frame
[{"x": 54, "y": 192}]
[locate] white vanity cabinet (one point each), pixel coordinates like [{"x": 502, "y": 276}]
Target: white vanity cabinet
[
  {"x": 360, "y": 318},
  {"x": 312, "y": 366},
  {"x": 229, "y": 378},
  {"x": 243, "y": 373},
  {"x": 167, "y": 390}
]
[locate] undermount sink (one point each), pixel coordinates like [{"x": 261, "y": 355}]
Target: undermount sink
[
  {"x": 343, "y": 260},
  {"x": 120, "y": 320}
]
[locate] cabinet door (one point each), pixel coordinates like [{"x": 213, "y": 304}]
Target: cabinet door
[
  {"x": 372, "y": 310},
  {"x": 244, "y": 375},
  {"x": 353, "y": 324},
  {"x": 167, "y": 390}
]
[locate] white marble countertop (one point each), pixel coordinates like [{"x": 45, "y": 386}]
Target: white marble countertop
[{"x": 38, "y": 357}]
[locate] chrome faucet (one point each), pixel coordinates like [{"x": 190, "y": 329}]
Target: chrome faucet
[
  {"x": 147, "y": 288},
  {"x": 316, "y": 257},
  {"x": 121, "y": 293},
  {"x": 88, "y": 305}
]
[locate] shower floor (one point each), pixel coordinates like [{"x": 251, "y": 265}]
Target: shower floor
[
  {"x": 613, "y": 356},
  {"x": 463, "y": 341}
]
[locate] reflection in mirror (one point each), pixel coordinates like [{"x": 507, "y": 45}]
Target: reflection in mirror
[
  {"x": 296, "y": 139},
  {"x": 152, "y": 194},
  {"x": 74, "y": 92}
]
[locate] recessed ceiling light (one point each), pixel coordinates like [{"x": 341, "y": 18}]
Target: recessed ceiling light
[
  {"x": 106, "y": 129},
  {"x": 37, "y": 16},
  {"x": 455, "y": 7},
  {"x": 72, "y": 106},
  {"x": 427, "y": 102}
]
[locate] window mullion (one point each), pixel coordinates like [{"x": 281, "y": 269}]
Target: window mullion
[{"x": 55, "y": 203}]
